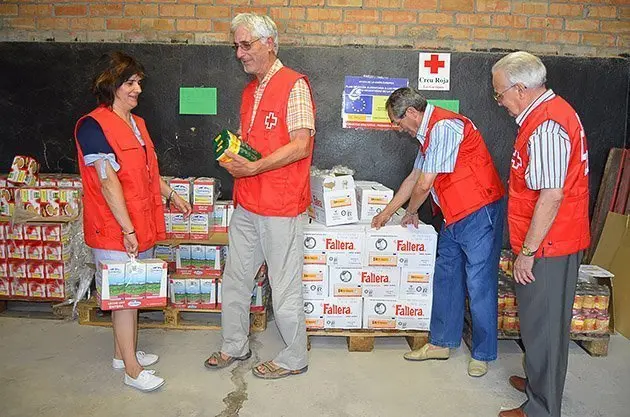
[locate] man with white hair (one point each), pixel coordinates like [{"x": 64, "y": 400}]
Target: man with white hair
[
  {"x": 277, "y": 119},
  {"x": 548, "y": 200}
]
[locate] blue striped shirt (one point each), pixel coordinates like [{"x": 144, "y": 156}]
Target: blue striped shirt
[{"x": 441, "y": 154}]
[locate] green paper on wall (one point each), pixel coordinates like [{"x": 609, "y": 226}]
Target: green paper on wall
[
  {"x": 452, "y": 105},
  {"x": 198, "y": 100}
]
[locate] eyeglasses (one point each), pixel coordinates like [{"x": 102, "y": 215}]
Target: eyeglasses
[
  {"x": 397, "y": 122},
  {"x": 245, "y": 46},
  {"x": 499, "y": 96}
]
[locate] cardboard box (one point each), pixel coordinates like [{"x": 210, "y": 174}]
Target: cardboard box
[
  {"x": 314, "y": 313},
  {"x": 183, "y": 259},
  {"x": 180, "y": 226},
  {"x": 55, "y": 289},
  {"x": 29, "y": 200},
  {"x": 16, "y": 249},
  {"x": 34, "y": 250},
  {"x": 315, "y": 282},
  {"x": 612, "y": 253},
  {"x": 54, "y": 270},
  {"x": 340, "y": 246},
  {"x": 37, "y": 288},
  {"x": 205, "y": 192},
  {"x": 69, "y": 201},
  {"x": 24, "y": 170},
  {"x": 17, "y": 268},
  {"x": 32, "y": 232},
  {"x": 393, "y": 245},
  {"x": 167, "y": 225},
  {"x": 344, "y": 282},
  {"x": 380, "y": 282},
  {"x": 19, "y": 286},
  {"x": 156, "y": 279},
  {"x": 379, "y": 313},
  {"x": 50, "y": 204},
  {"x": 183, "y": 187},
  {"x": 124, "y": 284},
  {"x": 343, "y": 313},
  {"x": 333, "y": 199},
  {"x": 178, "y": 292},
  {"x": 5, "y": 287},
  {"x": 15, "y": 232},
  {"x": 208, "y": 293},
  {"x": 413, "y": 314},
  {"x": 221, "y": 215},
  {"x": 199, "y": 226},
  {"x": 55, "y": 233},
  {"x": 219, "y": 296},
  {"x": 372, "y": 198},
  {"x": 35, "y": 270},
  {"x": 3, "y": 250},
  {"x": 416, "y": 283},
  {"x": 7, "y": 201},
  {"x": 4, "y": 269}
]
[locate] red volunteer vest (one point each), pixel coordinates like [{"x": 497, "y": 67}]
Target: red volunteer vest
[
  {"x": 284, "y": 191},
  {"x": 569, "y": 232},
  {"x": 475, "y": 182},
  {"x": 139, "y": 177}
]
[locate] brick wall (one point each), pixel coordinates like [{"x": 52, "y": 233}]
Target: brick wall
[{"x": 578, "y": 27}]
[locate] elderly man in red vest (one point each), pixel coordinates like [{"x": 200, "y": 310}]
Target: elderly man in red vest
[
  {"x": 548, "y": 202},
  {"x": 277, "y": 119},
  {"x": 455, "y": 167}
]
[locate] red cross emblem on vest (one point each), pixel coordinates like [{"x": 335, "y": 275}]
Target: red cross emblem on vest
[
  {"x": 517, "y": 162},
  {"x": 271, "y": 121},
  {"x": 434, "y": 64}
]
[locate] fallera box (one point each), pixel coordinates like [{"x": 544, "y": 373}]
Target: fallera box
[
  {"x": 200, "y": 226},
  {"x": 344, "y": 282},
  {"x": 393, "y": 245},
  {"x": 205, "y": 192},
  {"x": 314, "y": 314},
  {"x": 379, "y": 313},
  {"x": 193, "y": 292},
  {"x": 413, "y": 314},
  {"x": 372, "y": 198},
  {"x": 178, "y": 292},
  {"x": 343, "y": 313},
  {"x": 334, "y": 246},
  {"x": 208, "y": 293},
  {"x": 416, "y": 283},
  {"x": 333, "y": 199},
  {"x": 380, "y": 282},
  {"x": 180, "y": 226},
  {"x": 156, "y": 279},
  {"x": 315, "y": 282}
]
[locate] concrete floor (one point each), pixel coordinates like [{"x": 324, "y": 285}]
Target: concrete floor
[{"x": 50, "y": 368}]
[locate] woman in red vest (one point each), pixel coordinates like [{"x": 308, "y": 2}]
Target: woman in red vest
[{"x": 123, "y": 214}]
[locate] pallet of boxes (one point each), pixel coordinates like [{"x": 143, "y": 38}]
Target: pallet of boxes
[
  {"x": 360, "y": 282},
  {"x": 37, "y": 234}
]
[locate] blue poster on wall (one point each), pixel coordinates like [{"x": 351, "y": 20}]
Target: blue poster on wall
[{"x": 364, "y": 100}]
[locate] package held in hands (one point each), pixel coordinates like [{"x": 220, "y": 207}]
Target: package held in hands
[
  {"x": 132, "y": 284},
  {"x": 228, "y": 141}
]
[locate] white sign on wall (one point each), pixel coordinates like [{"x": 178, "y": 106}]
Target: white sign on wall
[{"x": 434, "y": 71}]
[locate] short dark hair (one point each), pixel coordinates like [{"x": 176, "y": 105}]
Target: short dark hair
[
  {"x": 114, "y": 68},
  {"x": 403, "y": 98}
]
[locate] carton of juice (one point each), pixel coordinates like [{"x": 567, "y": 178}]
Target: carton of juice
[
  {"x": 208, "y": 293},
  {"x": 178, "y": 292},
  {"x": 156, "y": 280},
  {"x": 200, "y": 226},
  {"x": 180, "y": 226},
  {"x": 193, "y": 293},
  {"x": 135, "y": 280},
  {"x": 204, "y": 194}
]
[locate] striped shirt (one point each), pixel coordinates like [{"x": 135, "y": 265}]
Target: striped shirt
[
  {"x": 549, "y": 148},
  {"x": 300, "y": 107},
  {"x": 441, "y": 154}
]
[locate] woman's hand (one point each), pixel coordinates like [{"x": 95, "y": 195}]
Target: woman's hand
[
  {"x": 131, "y": 244},
  {"x": 181, "y": 204}
]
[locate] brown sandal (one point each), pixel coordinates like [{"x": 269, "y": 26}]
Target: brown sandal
[
  {"x": 224, "y": 363},
  {"x": 273, "y": 371}
]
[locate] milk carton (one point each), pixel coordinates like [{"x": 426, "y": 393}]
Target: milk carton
[
  {"x": 178, "y": 292},
  {"x": 380, "y": 282},
  {"x": 219, "y": 297},
  {"x": 344, "y": 282},
  {"x": 113, "y": 286},
  {"x": 393, "y": 245},
  {"x": 343, "y": 313},
  {"x": 167, "y": 226},
  {"x": 215, "y": 259},
  {"x": 198, "y": 258},
  {"x": 135, "y": 280},
  {"x": 416, "y": 283},
  {"x": 180, "y": 226},
  {"x": 413, "y": 314},
  {"x": 200, "y": 226},
  {"x": 208, "y": 293},
  {"x": 372, "y": 198},
  {"x": 340, "y": 246},
  {"x": 182, "y": 187},
  {"x": 183, "y": 259},
  {"x": 333, "y": 199},
  {"x": 315, "y": 282},
  {"x": 155, "y": 281},
  {"x": 379, "y": 313},
  {"x": 314, "y": 312},
  {"x": 205, "y": 192},
  {"x": 193, "y": 292}
]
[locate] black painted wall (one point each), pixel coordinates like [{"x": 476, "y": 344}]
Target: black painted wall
[{"x": 44, "y": 89}]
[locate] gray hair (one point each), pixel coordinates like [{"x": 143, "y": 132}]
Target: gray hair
[
  {"x": 403, "y": 98},
  {"x": 522, "y": 67},
  {"x": 260, "y": 26}
]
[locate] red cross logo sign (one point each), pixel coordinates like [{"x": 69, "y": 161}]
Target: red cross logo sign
[
  {"x": 271, "y": 121},
  {"x": 434, "y": 64}
]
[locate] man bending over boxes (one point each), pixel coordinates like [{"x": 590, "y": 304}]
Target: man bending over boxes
[
  {"x": 277, "y": 120},
  {"x": 455, "y": 167}
]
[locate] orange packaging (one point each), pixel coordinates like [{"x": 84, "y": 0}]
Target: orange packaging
[
  {"x": 601, "y": 302},
  {"x": 578, "y": 301},
  {"x": 55, "y": 289},
  {"x": 37, "y": 288},
  {"x": 19, "y": 287},
  {"x": 577, "y": 323},
  {"x": 5, "y": 287},
  {"x": 590, "y": 320},
  {"x": 589, "y": 301},
  {"x": 34, "y": 251},
  {"x": 33, "y": 232},
  {"x": 501, "y": 301},
  {"x": 509, "y": 321},
  {"x": 510, "y": 301},
  {"x": 603, "y": 322},
  {"x": 35, "y": 270}
]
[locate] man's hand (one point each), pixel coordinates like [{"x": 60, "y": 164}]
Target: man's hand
[
  {"x": 380, "y": 220},
  {"x": 240, "y": 167},
  {"x": 523, "y": 269},
  {"x": 410, "y": 219}
]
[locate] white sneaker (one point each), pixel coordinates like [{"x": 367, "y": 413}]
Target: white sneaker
[
  {"x": 146, "y": 381},
  {"x": 144, "y": 359}
]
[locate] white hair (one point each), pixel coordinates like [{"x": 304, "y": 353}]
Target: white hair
[
  {"x": 522, "y": 67},
  {"x": 258, "y": 25}
]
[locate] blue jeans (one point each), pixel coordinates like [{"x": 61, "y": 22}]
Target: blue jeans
[{"x": 468, "y": 259}]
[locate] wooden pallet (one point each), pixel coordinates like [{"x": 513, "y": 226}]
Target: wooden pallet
[
  {"x": 362, "y": 340},
  {"x": 595, "y": 344},
  {"x": 166, "y": 318},
  {"x": 19, "y": 308}
]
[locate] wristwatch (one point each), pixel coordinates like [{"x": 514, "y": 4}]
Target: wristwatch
[
  {"x": 525, "y": 251},
  {"x": 411, "y": 213}
]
